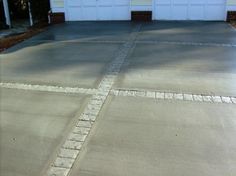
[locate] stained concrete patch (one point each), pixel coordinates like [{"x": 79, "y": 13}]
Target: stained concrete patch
[
  {"x": 186, "y": 31},
  {"x": 181, "y": 68},
  {"x": 135, "y": 136},
  {"x": 33, "y": 125},
  {"x": 113, "y": 31},
  {"x": 65, "y": 64}
]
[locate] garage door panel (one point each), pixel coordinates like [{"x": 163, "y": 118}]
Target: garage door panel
[
  {"x": 121, "y": 13},
  {"x": 105, "y": 13},
  {"x": 89, "y": 13},
  {"x": 163, "y": 2},
  {"x": 163, "y": 12},
  {"x": 180, "y": 12},
  {"x": 178, "y": 2},
  {"x": 89, "y": 2},
  {"x": 91, "y": 10},
  {"x": 220, "y": 2},
  {"x": 75, "y": 13},
  {"x": 122, "y": 2},
  {"x": 190, "y": 9},
  {"x": 199, "y": 2},
  {"x": 105, "y": 2},
  {"x": 213, "y": 12},
  {"x": 73, "y": 3},
  {"x": 196, "y": 12},
  {"x": 164, "y": 9}
]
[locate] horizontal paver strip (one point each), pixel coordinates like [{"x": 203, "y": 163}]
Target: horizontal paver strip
[
  {"x": 47, "y": 88},
  {"x": 186, "y": 43},
  {"x": 174, "y": 96},
  {"x": 165, "y": 95}
]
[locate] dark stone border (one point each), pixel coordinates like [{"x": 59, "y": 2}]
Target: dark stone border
[
  {"x": 231, "y": 16},
  {"x": 141, "y": 16},
  {"x": 56, "y": 18}
]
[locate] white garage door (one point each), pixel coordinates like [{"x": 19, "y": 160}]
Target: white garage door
[
  {"x": 190, "y": 10},
  {"x": 92, "y": 10}
]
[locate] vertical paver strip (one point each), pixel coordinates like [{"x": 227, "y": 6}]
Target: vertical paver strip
[{"x": 70, "y": 149}]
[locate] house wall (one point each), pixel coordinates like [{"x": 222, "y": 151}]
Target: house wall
[
  {"x": 142, "y": 5},
  {"x": 231, "y": 5},
  {"x": 141, "y": 2},
  {"x": 59, "y": 5}
]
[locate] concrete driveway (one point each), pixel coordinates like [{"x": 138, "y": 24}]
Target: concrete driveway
[{"x": 120, "y": 98}]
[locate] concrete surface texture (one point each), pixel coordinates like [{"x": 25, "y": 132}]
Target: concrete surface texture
[
  {"x": 79, "y": 64},
  {"x": 33, "y": 124},
  {"x": 210, "y": 32},
  {"x": 135, "y": 136},
  {"x": 114, "y": 31},
  {"x": 194, "y": 69},
  {"x": 75, "y": 70}
]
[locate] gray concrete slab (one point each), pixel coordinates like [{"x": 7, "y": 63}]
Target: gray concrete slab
[
  {"x": 205, "y": 32},
  {"x": 88, "y": 31},
  {"x": 58, "y": 63},
  {"x": 181, "y": 68},
  {"x": 33, "y": 125},
  {"x": 135, "y": 136}
]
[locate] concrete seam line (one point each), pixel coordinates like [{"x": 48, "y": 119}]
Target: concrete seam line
[
  {"x": 65, "y": 160},
  {"x": 187, "y": 43},
  {"x": 79, "y": 41},
  {"x": 95, "y": 41},
  {"x": 165, "y": 95},
  {"x": 232, "y": 26},
  {"x": 47, "y": 88}
]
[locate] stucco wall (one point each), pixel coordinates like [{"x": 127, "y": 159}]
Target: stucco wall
[
  {"x": 231, "y": 5},
  {"x": 141, "y": 2},
  {"x": 231, "y": 2},
  {"x": 59, "y": 5}
]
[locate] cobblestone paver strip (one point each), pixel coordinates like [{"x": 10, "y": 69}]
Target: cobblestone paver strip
[
  {"x": 186, "y": 43},
  {"x": 47, "y": 88},
  {"x": 174, "y": 96},
  {"x": 70, "y": 150},
  {"x": 100, "y": 96}
]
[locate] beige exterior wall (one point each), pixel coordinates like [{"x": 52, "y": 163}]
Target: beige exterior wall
[
  {"x": 57, "y": 3},
  {"x": 60, "y": 3},
  {"x": 141, "y": 2},
  {"x": 231, "y": 2}
]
